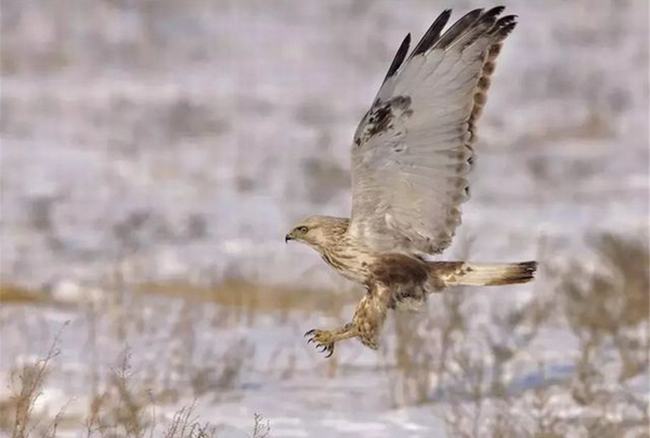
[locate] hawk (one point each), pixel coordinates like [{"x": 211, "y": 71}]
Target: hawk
[{"x": 411, "y": 155}]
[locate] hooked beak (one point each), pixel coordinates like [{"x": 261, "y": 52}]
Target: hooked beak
[{"x": 288, "y": 237}]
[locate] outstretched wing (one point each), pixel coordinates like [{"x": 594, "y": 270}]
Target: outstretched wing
[{"x": 412, "y": 149}]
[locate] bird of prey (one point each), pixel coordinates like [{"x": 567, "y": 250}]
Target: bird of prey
[{"x": 411, "y": 155}]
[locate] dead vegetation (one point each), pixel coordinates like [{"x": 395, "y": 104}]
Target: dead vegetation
[
  {"x": 490, "y": 373},
  {"x": 122, "y": 408},
  {"x": 17, "y": 414},
  {"x": 125, "y": 409},
  {"x": 444, "y": 355},
  {"x": 126, "y": 401},
  {"x": 243, "y": 298},
  {"x": 14, "y": 294},
  {"x": 611, "y": 303},
  {"x": 422, "y": 348}
]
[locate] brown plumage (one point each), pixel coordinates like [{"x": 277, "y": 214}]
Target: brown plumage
[{"x": 410, "y": 156}]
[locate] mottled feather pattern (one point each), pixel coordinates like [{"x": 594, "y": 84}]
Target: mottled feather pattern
[
  {"x": 485, "y": 274},
  {"x": 501, "y": 30},
  {"x": 411, "y": 154},
  {"x": 382, "y": 117},
  {"x": 394, "y": 148},
  {"x": 370, "y": 314}
]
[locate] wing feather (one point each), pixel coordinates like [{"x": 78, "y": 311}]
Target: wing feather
[
  {"x": 432, "y": 35},
  {"x": 412, "y": 150},
  {"x": 399, "y": 57}
]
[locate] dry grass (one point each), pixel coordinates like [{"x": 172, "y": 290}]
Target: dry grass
[
  {"x": 243, "y": 297},
  {"x": 224, "y": 374},
  {"x": 422, "y": 347},
  {"x": 17, "y": 414},
  {"x": 121, "y": 410},
  {"x": 444, "y": 356},
  {"x": 611, "y": 304},
  {"x": 478, "y": 385},
  {"x": 186, "y": 425},
  {"x": 122, "y": 404},
  {"x": 125, "y": 409},
  {"x": 441, "y": 355},
  {"x": 13, "y": 294}
]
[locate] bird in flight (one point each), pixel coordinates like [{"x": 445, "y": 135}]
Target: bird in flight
[{"x": 411, "y": 155}]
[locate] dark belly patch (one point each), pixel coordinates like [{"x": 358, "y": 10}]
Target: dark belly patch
[
  {"x": 398, "y": 269},
  {"x": 406, "y": 278}
]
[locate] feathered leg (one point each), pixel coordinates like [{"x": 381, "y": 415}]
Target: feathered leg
[{"x": 366, "y": 323}]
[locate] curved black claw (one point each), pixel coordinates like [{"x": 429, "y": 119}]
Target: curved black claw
[
  {"x": 329, "y": 348},
  {"x": 322, "y": 341}
]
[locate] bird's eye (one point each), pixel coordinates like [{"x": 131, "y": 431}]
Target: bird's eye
[{"x": 302, "y": 229}]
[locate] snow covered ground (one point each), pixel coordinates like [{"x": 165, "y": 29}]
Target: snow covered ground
[{"x": 154, "y": 154}]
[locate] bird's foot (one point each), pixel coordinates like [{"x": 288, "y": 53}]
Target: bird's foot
[{"x": 323, "y": 340}]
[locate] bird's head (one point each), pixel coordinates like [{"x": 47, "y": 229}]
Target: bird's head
[{"x": 318, "y": 231}]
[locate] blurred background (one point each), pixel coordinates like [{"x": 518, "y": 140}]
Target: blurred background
[{"x": 155, "y": 153}]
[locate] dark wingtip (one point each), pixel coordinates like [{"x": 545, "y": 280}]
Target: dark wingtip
[
  {"x": 490, "y": 16},
  {"x": 459, "y": 27},
  {"x": 495, "y": 11},
  {"x": 434, "y": 36},
  {"x": 505, "y": 25},
  {"x": 433, "y": 33},
  {"x": 399, "y": 57},
  {"x": 508, "y": 19}
]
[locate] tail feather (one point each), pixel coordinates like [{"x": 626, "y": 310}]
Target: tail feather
[{"x": 486, "y": 274}]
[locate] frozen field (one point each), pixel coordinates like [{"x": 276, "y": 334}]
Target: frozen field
[{"x": 154, "y": 154}]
